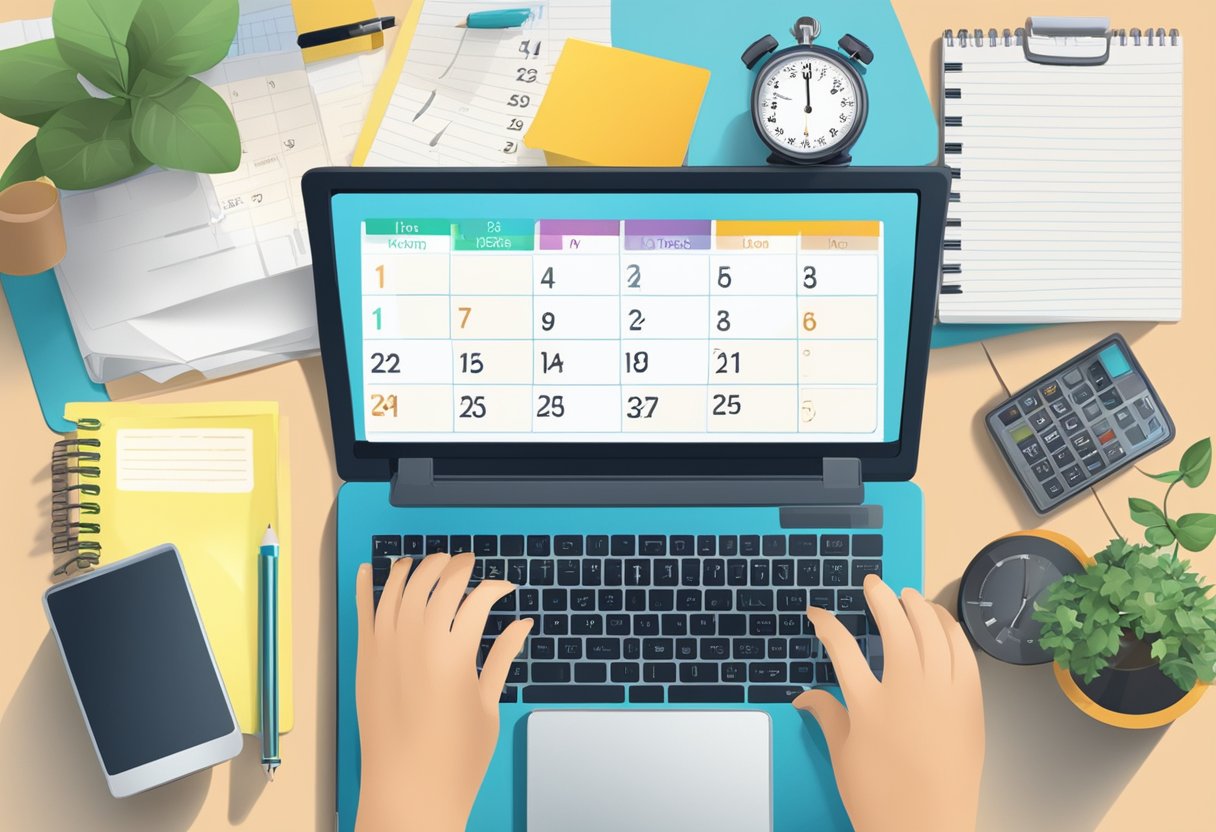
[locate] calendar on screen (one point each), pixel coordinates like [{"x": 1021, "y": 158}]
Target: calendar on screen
[{"x": 563, "y": 318}]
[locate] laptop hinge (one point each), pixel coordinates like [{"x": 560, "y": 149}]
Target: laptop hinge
[{"x": 415, "y": 485}]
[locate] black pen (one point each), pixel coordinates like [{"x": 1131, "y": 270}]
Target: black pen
[{"x": 348, "y": 31}]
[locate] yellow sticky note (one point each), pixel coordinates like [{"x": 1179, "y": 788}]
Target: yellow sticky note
[
  {"x": 613, "y": 107},
  {"x": 312, "y": 15}
]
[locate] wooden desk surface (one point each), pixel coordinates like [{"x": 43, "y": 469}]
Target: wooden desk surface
[{"x": 1047, "y": 765}]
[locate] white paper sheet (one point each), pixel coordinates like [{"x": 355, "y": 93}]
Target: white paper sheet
[
  {"x": 343, "y": 88},
  {"x": 199, "y": 460}
]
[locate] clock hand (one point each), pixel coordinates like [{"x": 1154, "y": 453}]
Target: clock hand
[
  {"x": 806, "y": 76},
  {"x": 1025, "y": 591}
]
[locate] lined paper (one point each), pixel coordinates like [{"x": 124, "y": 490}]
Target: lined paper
[
  {"x": 467, "y": 96},
  {"x": 1067, "y": 201},
  {"x": 205, "y": 460}
]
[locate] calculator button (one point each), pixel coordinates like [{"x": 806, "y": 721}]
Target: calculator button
[
  {"x": 1101, "y": 427},
  {"x": 1074, "y": 476},
  {"x": 1093, "y": 463},
  {"x": 1071, "y": 424},
  {"x": 1135, "y": 434},
  {"x": 1082, "y": 444},
  {"x": 1060, "y": 407},
  {"x": 1039, "y": 420},
  {"x": 1072, "y": 378},
  {"x": 1009, "y": 415},
  {"x": 1114, "y": 452},
  {"x": 1082, "y": 394},
  {"x": 1110, "y": 398},
  {"x": 1053, "y": 440},
  {"x": 1153, "y": 425},
  {"x": 1053, "y": 488},
  {"x": 1098, "y": 375},
  {"x": 1106, "y": 437},
  {"x": 1029, "y": 401},
  {"x": 1031, "y": 450},
  {"x": 1091, "y": 410},
  {"x": 1063, "y": 457},
  {"x": 1124, "y": 418},
  {"x": 1144, "y": 407},
  {"x": 1042, "y": 470},
  {"x": 1051, "y": 392}
]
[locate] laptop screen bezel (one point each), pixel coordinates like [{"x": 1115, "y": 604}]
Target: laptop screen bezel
[{"x": 360, "y": 460}]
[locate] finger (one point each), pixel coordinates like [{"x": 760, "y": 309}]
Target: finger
[
  {"x": 366, "y": 618},
  {"x": 930, "y": 639},
  {"x": 964, "y": 670},
  {"x": 832, "y": 717},
  {"x": 900, "y": 653},
  {"x": 417, "y": 591},
  {"x": 452, "y": 583},
  {"x": 471, "y": 617},
  {"x": 390, "y": 598},
  {"x": 498, "y": 663},
  {"x": 854, "y": 674}
]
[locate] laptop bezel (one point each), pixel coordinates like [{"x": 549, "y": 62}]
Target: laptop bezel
[{"x": 367, "y": 461}]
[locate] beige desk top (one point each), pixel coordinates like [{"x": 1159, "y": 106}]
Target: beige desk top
[{"x": 1047, "y": 767}]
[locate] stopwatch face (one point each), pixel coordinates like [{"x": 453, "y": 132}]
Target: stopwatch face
[{"x": 809, "y": 104}]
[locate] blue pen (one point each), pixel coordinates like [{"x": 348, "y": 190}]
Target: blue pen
[
  {"x": 497, "y": 19},
  {"x": 268, "y": 639}
]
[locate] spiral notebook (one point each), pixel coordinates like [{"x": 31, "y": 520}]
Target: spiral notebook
[
  {"x": 1065, "y": 143},
  {"x": 205, "y": 477}
]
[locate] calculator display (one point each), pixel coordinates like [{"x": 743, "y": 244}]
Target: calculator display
[{"x": 626, "y": 317}]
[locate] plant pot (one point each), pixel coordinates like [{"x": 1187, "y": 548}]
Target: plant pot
[
  {"x": 31, "y": 228},
  {"x": 1132, "y": 692}
]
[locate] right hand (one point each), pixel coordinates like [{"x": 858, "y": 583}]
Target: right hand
[{"x": 909, "y": 750}]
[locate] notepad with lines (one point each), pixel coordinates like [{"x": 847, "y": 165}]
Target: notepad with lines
[{"x": 1067, "y": 196}]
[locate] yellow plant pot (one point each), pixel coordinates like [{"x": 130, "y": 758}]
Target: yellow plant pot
[{"x": 1132, "y": 706}]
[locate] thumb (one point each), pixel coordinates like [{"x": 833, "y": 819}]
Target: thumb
[{"x": 832, "y": 717}]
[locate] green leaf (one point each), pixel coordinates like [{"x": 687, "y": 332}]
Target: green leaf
[
  {"x": 1196, "y": 463},
  {"x": 189, "y": 127},
  {"x": 92, "y": 37},
  {"x": 24, "y": 166},
  {"x": 1145, "y": 513},
  {"x": 1170, "y": 477},
  {"x": 1158, "y": 651},
  {"x": 35, "y": 82},
  {"x": 1159, "y": 535},
  {"x": 88, "y": 144},
  {"x": 170, "y": 40},
  {"x": 1195, "y": 531}
]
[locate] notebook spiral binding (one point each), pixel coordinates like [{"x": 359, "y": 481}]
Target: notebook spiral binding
[
  {"x": 977, "y": 38},
  {"x": 73, "y": 462}
]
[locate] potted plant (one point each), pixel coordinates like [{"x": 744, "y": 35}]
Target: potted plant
[
  {"x": 1133, "y": 636},
  {"x": 139, "y": 104}
]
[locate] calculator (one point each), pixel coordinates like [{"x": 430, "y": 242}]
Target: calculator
[{"x": 1093, "y": 415}]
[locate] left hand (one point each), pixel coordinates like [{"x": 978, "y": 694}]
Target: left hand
[{"x": 428, "y": 723}]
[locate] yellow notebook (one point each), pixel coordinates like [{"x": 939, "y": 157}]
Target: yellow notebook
[
  {"x": 313, "y": 15},
  {"x": 204, "y": 477}
]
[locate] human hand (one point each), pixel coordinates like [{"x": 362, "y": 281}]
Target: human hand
[
  {"x": 427, "y": 723},
  {"x": 909, "y": 750}
]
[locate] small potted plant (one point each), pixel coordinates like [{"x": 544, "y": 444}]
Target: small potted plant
[{"x": 1133, "y": 636}]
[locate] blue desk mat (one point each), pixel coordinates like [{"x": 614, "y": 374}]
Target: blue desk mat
[
  {"x": 804, "y": 790},
  {"x": 902, "y": 130}
]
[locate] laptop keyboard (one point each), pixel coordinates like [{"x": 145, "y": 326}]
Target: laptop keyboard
[{"x": 654, "y": 618}]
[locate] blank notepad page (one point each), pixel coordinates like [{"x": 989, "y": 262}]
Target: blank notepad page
[{"x": 1067, "y": 196}]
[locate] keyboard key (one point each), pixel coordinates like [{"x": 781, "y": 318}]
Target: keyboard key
[
  {"x": 835, "y": 573},
  {"x": 689, "y": 600},
  {"x": 661, "y": 600},
  {"x": 658, "y": 648},
  {"x": 652, "y": 545},
  {"x": 511, "y": 545},
  {"x": 538, "y": 545},
  {"x": 460, "y": 543},
  {"x": 569, "y": 573},
  {"x": 683, "y": 545},
  {"x": 635, "y": 600},
  {"x": 791, "y": 600},
  {"x": 591, "y": 672},
  {"x": 674, "y": 624},
  {"x": 625, "y": 672},
  {"x": 736, "y": 573},
  {"x": 748, "y": 648},
  {"x": 574, "y": 693},
  {"x": 705, "y": 693},
  {"x": 610, "y": 599},
  {"x": 728, "y": 545},
  {"x": 707, "y": 545},
  {"x": 834, "y": 544},
  {"x": 517, "y": 571},
  {"x": 733, "y": 672},
  {"x": 540, "y": 573},
  {"x": 529, "y": 599},
  {"x": 436, "y": 543},
  {"x": 570, "y": 649},
  {"x": 686, "y": 649},
  {"x": 769, "y": 694},
  {"x": 586, "y": 625},
  {"x": 593, "y": 571},
  {"x": 861, "y": 568},
  {"x": 542, "y": 648},
  {"x": 718, "y": 600},
  {"x": 702, "y": 624},
  {"x": 766, "y": 672},
  {"x": 773, "y": 545},
  {"x": 802, "y": 648},
  {"x": 554, "y": 600},
  {"x": 380, "y": 569},
  {"x": 716, "y": 649},
  {"x": 850, "y": 600},
  {"x": 646, "y": 694},
  {"x": 616, "y": 624},
  {"x": 759, "y": 573},
  {"x": 485, "y": 545},
  {"x": 690, "y": 573},
  {"x": 550, "y": 672},
  {"x": 804, "y": 545},
  {"x": 624, "y": 545},
  {"x": 753, "y": 600},
  {"x": 855, "y": 624},
  {"x": 509, "y": 694},
  {"x": 825, "y": 599},
  {"x": 505, "y": 603},
  {"x": 386, "y": 545},
  {"x": 518, "y": 674},
  {"x": 614, "y": 572},
  {"x": 802, "y": 673},
  {"x": 413, "y": 544},
  {"x": 555, "y": 625},
  {"x": 867, "y": 545},
  {"x": 808, "y": 572},
  {"x": 713, "y": 572},
  {"x": 597, "y": 545},
  {"x": 763, "y": 625},
  {"x": 568, "y": 545},
  {"x": 790, "y": 624},
  {"x": 732, "y": 624},
  {"x": 783, "y": 573},
  {"x": 659, "y": 672},
  {"x": 646, "y": 625},
  {"x": 749, "y": 545},
  {"x": 495, "y": 624},
  {"x": 637, "y": 573},
  {"x": 825, "y": 674},
  {"x": 493, "y": 569},
  {"x": 666, "y": 573}
]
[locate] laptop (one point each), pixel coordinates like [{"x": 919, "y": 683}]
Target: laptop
[{"x": 676, "y": 406}]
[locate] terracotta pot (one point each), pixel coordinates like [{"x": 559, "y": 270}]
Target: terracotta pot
[{"x": 31, "y": 228}]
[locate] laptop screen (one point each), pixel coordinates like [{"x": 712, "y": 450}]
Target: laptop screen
[{"x": 625, "y": 317}]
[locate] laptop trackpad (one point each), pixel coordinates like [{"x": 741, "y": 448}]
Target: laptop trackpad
[{"x": 605, "y": 771}]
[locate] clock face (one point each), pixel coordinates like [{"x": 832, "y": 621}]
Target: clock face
[
  {"x": 808, "y": 104},
  {"x": 999, "y": 590}
]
